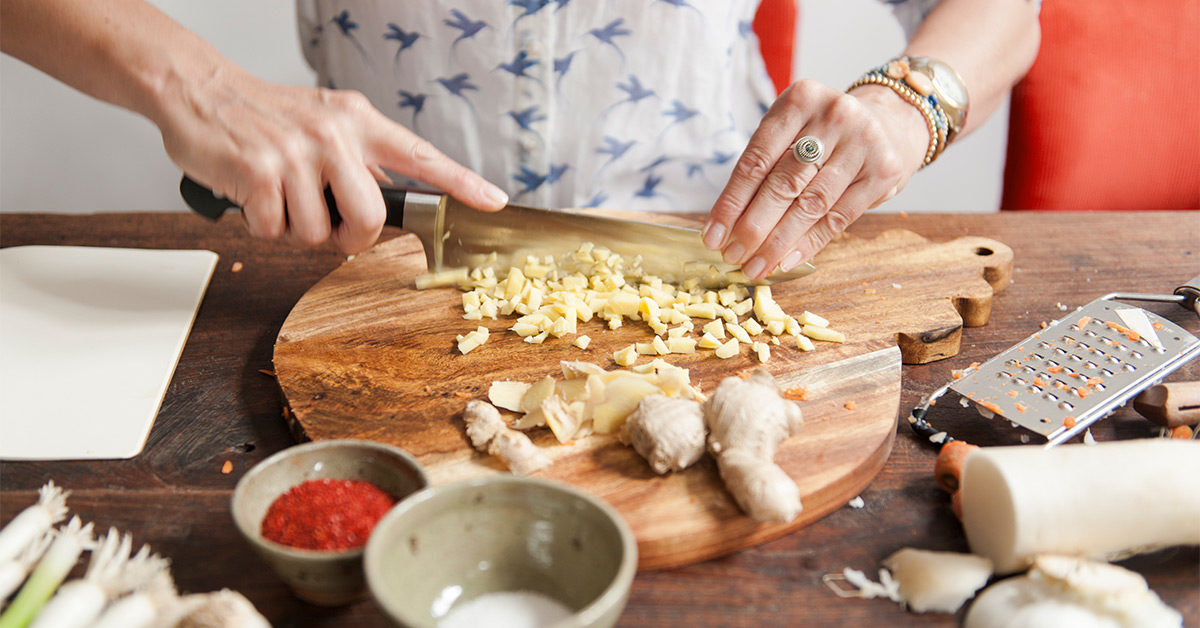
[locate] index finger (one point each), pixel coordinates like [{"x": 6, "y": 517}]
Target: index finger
[
  {"x": 770, "y": 141},
  {"x": 396, "y": 148}
]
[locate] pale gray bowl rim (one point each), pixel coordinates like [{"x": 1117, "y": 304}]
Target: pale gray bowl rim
[
  {"x": 255, "y": 536},
  {"x": 612, "y": 594}
]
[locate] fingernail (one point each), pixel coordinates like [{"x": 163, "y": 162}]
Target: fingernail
[
  {"x": 713, "y": 234},
  {"x": 792, "y": 260},
  {"x": 495, "y": 194},
  {"x": 753, "y": 268},
  {"x": 734, "y": 253}
]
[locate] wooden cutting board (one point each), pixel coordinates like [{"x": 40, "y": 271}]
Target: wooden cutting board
[{"x": 365, "y": 355}]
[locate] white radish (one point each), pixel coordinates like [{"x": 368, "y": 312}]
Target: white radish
[
  {"x": 938, "y": 582},
  {"x": 33, "y": 522},
  {"x": 1087, "y": 500}
]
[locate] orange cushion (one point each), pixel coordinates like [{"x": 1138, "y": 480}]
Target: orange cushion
[{"x": 1109, "y": 115}]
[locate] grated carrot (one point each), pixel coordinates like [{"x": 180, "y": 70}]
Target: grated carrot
[
  {"x": 1039, "y": 381},
  {"x": 796, "y": 393},
  {"x": 1082, "y": 392},
  {"x": 903, "y": 215},
  {"x": 1084, "y": 321},
  {"x": 1020, "y": 408},
  {"x": 236, "y": 268},
  {"x": 991, "y": 406},
  {"x": 1092, "y": 381},
  {"x": 850, "y": 405},
  {"x": 1133, "y": 335},
  {"x": 1012, "y": 393},
  {"x": 1157, "y": 326},
  {"x": 227, "y": 467},
  {"x": 1054, "y": 369},
  {"x": 267, "y": 372},
  {"x": 1069, "y": 421}
]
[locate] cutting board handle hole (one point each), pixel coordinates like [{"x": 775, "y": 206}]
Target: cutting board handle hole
[{"x": 983, "y": 251}]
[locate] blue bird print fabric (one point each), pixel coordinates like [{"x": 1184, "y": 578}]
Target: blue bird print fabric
[{"x": 631, "y": 104}]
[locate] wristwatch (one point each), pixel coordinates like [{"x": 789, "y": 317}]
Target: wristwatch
[{"x": 947, "y": 87}]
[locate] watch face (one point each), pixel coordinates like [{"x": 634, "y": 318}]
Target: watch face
[{"x": 948, "y": 85}]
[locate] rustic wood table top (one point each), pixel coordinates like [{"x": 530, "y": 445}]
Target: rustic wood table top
[{"x": 221, "y": 407}]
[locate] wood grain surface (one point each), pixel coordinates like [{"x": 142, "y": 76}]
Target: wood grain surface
[
  {"x": 221, "y": 407},
  {"x": 365, "y": 355}
]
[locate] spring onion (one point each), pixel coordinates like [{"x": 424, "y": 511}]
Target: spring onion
[
  {"x": 153, "y": 592},
  {"x": 33, "y": 522},
  {"x": 58, "y": 561},
  {"x": 13, "y": 572}
]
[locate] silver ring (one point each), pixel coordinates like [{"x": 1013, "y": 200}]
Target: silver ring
[{"x": 808, "y": 149}]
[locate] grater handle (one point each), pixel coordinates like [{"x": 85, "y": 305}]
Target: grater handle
[
  {"x": 1190, "y": 292},
  {"x": 1170, "y": 405}
]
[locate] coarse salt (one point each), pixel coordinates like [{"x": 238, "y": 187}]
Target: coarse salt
[{"x": 506, "y": 609}]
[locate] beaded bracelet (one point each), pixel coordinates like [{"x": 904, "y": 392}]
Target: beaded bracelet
[{"x": 935, "y": 118}]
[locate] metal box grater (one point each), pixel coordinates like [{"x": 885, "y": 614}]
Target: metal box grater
[{"x": 1074, "y": 372}]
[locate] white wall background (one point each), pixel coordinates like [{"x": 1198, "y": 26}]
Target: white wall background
[{"x": 61, "y": 151}]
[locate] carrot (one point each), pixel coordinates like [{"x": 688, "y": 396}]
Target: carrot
[
  {"x": 1181, "y": 431},
  {"x": 1012, "y": 393},
  {"x": 1157, "y": 326},
  {"x": 1054, "y": 369},
  {"x": 236, "y": 268},
  {"x": 1020, "y": 408},
  {"x": 1069, "y": 421},
  {"x": 956, "y": 504},
  {"x": 948, "y": 468},
  {"x": 1082, "y": 392},
  {"x": 993, "y": 407},
  {"x": 1084, "y": 321},
  {"x": 1133, "y": 335},
  {"x": 227, "y": 467},
  {"x": 267, "y": 372},
  {"x": 850, "y": 405}
]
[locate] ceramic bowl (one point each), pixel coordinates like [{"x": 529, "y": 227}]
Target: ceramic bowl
[
  {"x": 448, "y": 546},
  {"x": 327, "y": 578}
]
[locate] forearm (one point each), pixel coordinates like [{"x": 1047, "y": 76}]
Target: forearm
[
  {"x": 990, "y": 43},
  {"x": 125, "y": 52}
]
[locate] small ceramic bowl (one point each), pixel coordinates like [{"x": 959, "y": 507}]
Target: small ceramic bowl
[
  {"x": 327, "y": 578},
  {"x": 447, "y": 546}
]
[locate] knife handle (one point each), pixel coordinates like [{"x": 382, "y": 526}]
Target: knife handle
[
  {"x": 1170, "y": 405},
  {"x": 1190, "y": 292},
  {"x": 205, "y": 202}
]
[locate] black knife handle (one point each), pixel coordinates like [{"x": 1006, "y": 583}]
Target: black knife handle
[
  {"x": 205, "y": 202},
  {"x": 1190, "y": 291}
]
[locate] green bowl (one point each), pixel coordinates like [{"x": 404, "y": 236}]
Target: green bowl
[
  {"x": 450, "y": 544},
  {"x": 327, "y": 578}
]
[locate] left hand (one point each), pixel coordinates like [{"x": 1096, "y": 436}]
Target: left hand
[{"x": 778, "y": 212}]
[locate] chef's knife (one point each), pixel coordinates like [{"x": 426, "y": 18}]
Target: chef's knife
[{"x": 457, "y": 235}]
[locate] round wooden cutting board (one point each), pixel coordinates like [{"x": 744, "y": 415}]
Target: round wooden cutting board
[{"x": 365, "y": 355}]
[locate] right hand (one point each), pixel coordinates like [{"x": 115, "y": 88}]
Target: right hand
[{"x": 272, "y": 149}]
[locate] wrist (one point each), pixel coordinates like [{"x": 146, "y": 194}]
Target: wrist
[{"x": 902, "y": 121}]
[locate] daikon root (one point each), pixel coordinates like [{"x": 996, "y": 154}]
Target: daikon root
[
  {"x": 938, "y": 582},
  {"x": 668, "y": 432},
  {"x": 1087, "y": 500},
  {"x": 1068, "y": 591},
  {"x": 747, "y": 419}
]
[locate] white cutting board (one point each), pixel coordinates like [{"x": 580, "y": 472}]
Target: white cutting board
[{"x": 89, "y": 339}]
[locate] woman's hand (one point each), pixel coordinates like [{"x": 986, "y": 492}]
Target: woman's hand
[
  {"x": 778, "y": 212},
  {"x": 272, "y": 149}
]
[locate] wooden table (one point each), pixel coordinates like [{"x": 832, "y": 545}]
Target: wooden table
[{"x": 220, "y": 407}]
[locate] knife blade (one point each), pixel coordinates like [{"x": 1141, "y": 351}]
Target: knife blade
[{"x": 454, "y": 235}]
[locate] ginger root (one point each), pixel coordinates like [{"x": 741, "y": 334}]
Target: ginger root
[
  {"x": 747, "y": 419},
  {"x": 667, "y": 431},
  {"x": 488, "y": 432}
]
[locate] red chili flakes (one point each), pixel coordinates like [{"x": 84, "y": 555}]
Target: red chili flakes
[
  {"x": 326, "y": 514},
  {"x": 850, "y": 405},
  {"x": 796, "y": 393},
  {"x": 1021, "y": 408},
  {"x": 1069, "y": 421},
  {"x": 1181, "y": 431},
  {"x": 1054, "y": 369}
]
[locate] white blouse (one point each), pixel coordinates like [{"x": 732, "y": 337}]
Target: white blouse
[{"x": 634, "y": 104}]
